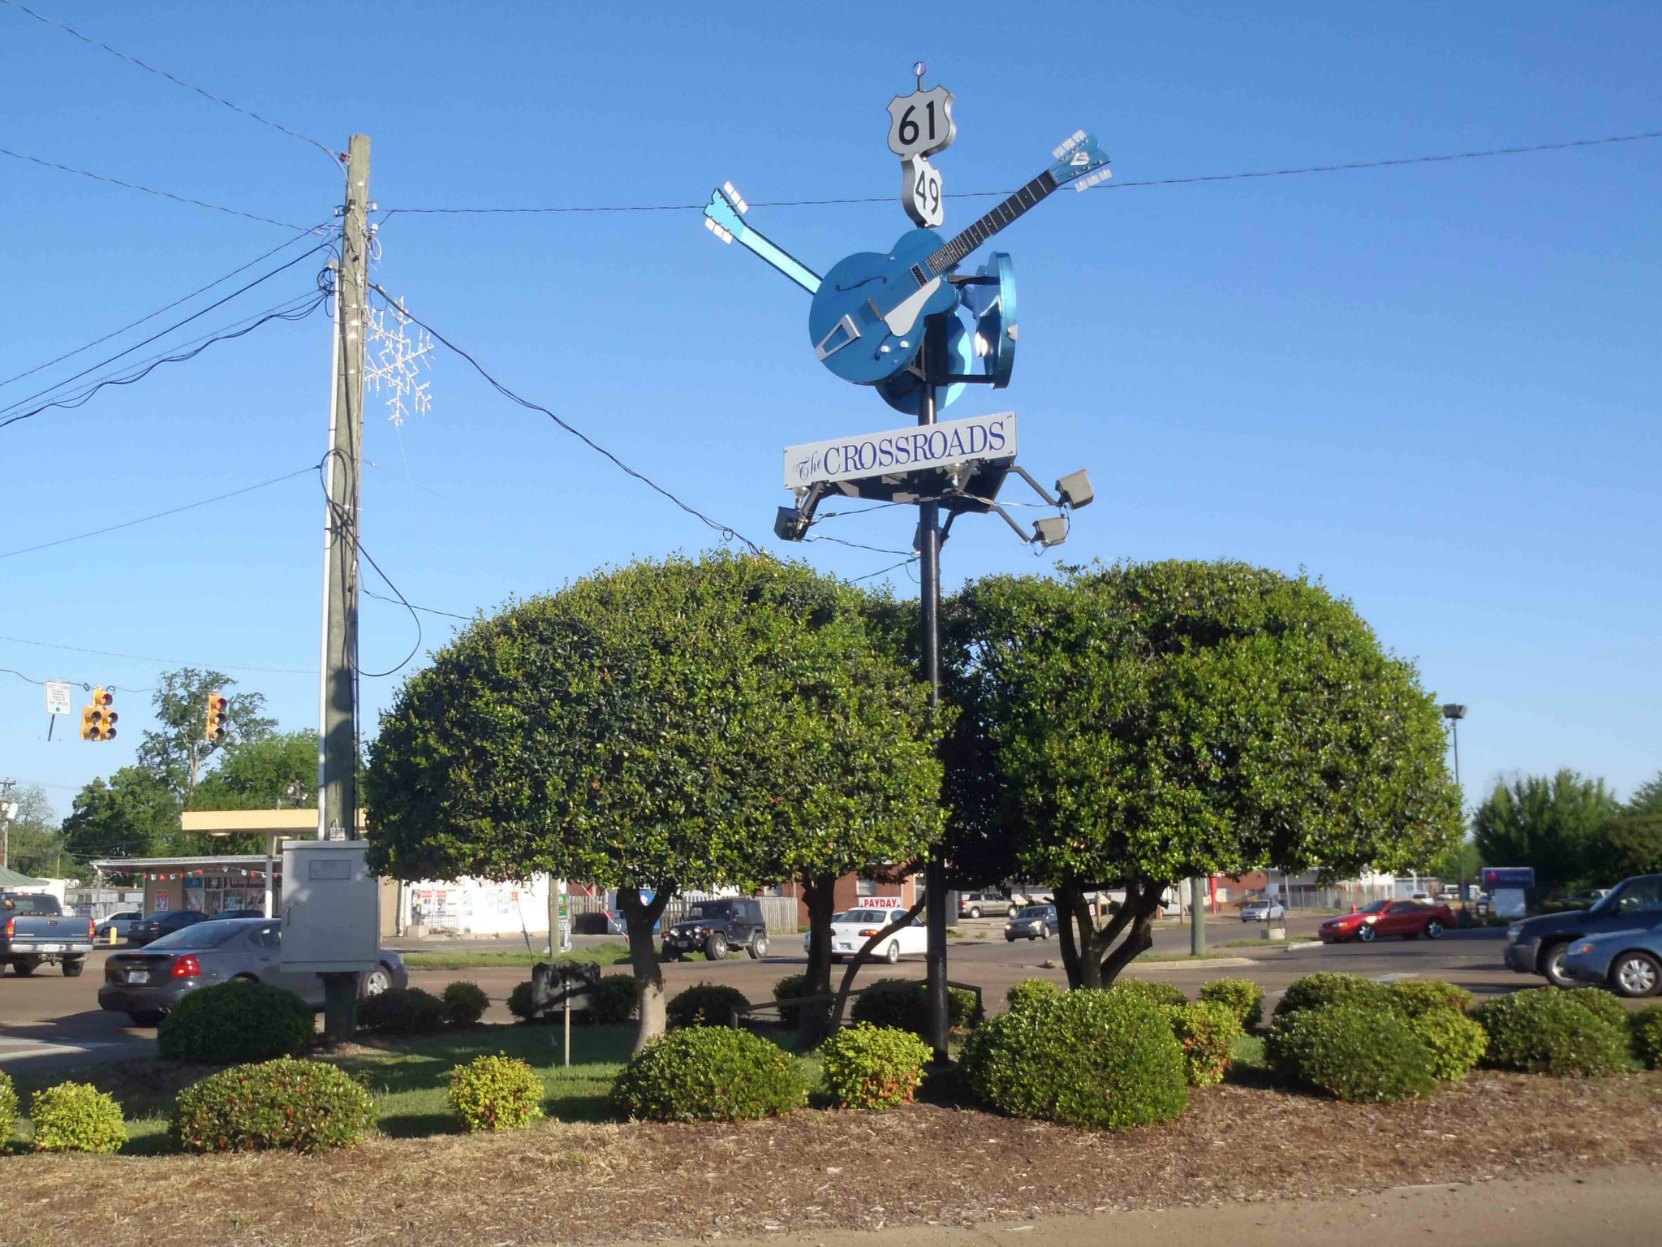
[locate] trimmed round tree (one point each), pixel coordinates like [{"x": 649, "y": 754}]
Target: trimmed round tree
[
  {"x": 675, "y": 724},
  {"x": 1139, "y": 724}
]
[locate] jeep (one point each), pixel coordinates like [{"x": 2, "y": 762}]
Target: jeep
[{"x": 716, "y": 927}]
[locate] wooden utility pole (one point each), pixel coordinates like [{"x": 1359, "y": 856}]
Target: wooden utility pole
[
  {"x": 337, "y": 756},
  {"x": 337, "y": 805}
]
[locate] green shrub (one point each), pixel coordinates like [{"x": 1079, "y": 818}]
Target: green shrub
[
  {"x": 1030, "y": 992},
  {"x": 519, "y": 1003},
  {"x": 464, "y": 1003},
  {"x": 789, "y": 988},
  {"x": 708, "y": 1073},
  {"x": 874, "y": 1066},
  {"x": 1328, "y": 987},
  {"x": 705, "y": 1004},
  {"x": 1353, "y": 1053},
  {"x": 1105, "y": 1060},
  {"x": 76, "y": 1117},
  {"x": 403, "y": 1011},
  {"x": 1162, "y": 994},
  {"x": 1647, "y": 1039},
  {"x": 236, "y": 1022},
  {"x": 496, "y": 1093},
  {"x": 8, "y": 1108},
  {"x": 1243, "y": 997},
  {"x": 1415, "y": 997},
  {"x": 1547, "y": 1031},
  {"x": 301, "y": 1106},
  {"x": 1208, "y": 1031},
  {"x": 617, "y": 999},
  {"x": 1457, "y": 1043},
  {"x": 1602, "y": 1005},
  {"x": 904, "y": 1004}
]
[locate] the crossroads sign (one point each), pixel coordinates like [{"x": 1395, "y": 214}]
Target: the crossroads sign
[{"x": 915, "y": 448}]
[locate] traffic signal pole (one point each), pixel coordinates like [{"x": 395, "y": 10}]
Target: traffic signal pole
[{"x": 343, "y": 475}]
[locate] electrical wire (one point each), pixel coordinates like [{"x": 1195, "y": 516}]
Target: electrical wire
[
  {"x": 170, "y": 662},
  {"x": 855, "y": 545},
  {"x": 197, "y": 315},
  {"x": 148, "y": 190},
  {"x": 1192, "y": 179},
  {"x": 145, "y": 519},
  {"x": 727, "y": 531},
  {"x": 80, "y": 684},
  {"x": 428, "y": 610},
  {"x": 81, "y": 401},
  {"x": 334, "y": 157},
  {"x": 166, "y": 307},
  {"x": 906, "y": 562}
]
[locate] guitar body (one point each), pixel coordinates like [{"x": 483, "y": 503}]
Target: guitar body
[{"x": 866, "y": 321}]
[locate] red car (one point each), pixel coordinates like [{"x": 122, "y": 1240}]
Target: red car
[{"x": 1409, "y": 919}]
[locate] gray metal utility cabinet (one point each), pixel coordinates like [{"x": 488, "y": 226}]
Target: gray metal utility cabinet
[{"x": 331, "y": 907}]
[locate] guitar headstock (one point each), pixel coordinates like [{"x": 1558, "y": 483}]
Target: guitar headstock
[
  {"x": 722, "y": 213},
  {"x": 1079, "y": 160}
]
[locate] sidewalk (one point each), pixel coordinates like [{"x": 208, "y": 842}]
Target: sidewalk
[{"x": 1616, "y": 1207}]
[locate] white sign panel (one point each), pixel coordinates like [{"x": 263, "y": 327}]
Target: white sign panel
[
  {"x": 57, "y": 697},
  {"x": 921, "y": 124},
  {"x": 920, "y": 193},
  {"x": 898, "y": 451}
]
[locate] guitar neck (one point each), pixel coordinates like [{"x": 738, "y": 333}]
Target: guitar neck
[
  {"x": 779, "y": 258},
  {"x": 1007, "y": 212}
]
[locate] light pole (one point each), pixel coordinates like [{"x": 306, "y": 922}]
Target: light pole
[{"x": 1454, "y": 713}]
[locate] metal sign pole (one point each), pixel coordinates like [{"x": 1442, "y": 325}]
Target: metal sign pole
[{"x": 929, "y": 576}]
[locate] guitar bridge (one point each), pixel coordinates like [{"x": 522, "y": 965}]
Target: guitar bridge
[{"x": 843, "y": 333}]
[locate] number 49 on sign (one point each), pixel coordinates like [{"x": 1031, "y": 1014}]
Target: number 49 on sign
[{"x": 920, "y": 192}]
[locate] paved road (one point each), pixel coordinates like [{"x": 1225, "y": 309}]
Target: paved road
[{"x": 48, "y": 1016}]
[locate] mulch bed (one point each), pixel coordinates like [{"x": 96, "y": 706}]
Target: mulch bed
[{"x": 827, "y": 1171}]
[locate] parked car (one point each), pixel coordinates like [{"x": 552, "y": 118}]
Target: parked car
[
  {"x": 974, "y": 904},
  {"x": 1262, "y": 911},
  {"x": 716, "y": 927},
  {"x": 1032, "y": 922},
  {"x": 121, "y": 924},
  {"x": 1627, "y": 962},
  {"x": 1537, "y": 945},
  {"x": 164, "y": 923},
  {"x": 145, "y": 985},
  {"x": 850, "y": 931},
  {"x": 1587, "y": 897},
  {"x": 1409, "y": 919},
  {"x": 34, "y": 930}
]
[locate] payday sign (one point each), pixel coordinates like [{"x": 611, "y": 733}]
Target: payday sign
[{"x": 899, "y": 451}]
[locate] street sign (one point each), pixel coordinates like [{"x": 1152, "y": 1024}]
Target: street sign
[
  {"x": 921, "y": 124},
  {"x": 920, "y": 192},
  {"x": 57, "y": 697},
  {"x": 897, "y": 452}
]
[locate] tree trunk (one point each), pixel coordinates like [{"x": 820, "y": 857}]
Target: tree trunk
[
  {"x": 1067, "y": 911},
  {"x": 639, "y": 917},
  {"x": 819, "y": 894},
  {"x": 1098, "y": 960}
]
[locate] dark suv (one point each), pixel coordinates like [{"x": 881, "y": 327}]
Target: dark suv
[
  {"x": 1537, "y": 945},
  {"x": 715, "y": 927}
]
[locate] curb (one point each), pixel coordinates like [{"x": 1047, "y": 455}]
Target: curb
[{"x": 1204, "y": 963}]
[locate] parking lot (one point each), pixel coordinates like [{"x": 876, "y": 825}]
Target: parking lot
[{"x": 49, "y": 1016}]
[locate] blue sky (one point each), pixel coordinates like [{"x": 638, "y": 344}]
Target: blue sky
[{"x": 1431, "y": 386}]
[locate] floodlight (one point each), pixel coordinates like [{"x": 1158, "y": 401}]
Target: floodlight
[
  {"x": 790, "y": 524},
  {"x": 1075, "y": 490},
  {"x": 1050, "y": 531}
]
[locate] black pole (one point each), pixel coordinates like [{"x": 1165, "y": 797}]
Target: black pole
[{"x": 929, "y": 575}]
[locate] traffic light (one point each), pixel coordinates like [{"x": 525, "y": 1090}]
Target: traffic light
[
  {"x": 97, "y": 719},
  {"x": 214, "y": 732}
]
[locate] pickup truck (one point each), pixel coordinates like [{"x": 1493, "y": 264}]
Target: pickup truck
[{"x": 34, "y": 929}]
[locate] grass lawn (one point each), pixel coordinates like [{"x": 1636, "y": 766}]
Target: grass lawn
[
  {"x": 411, "y": 1082},
  {"x": 607, "y": 954}
]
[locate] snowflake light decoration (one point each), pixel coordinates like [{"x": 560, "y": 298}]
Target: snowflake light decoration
[{"x": 398, "y": 363}]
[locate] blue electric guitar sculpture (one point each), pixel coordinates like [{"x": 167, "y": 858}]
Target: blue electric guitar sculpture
[
  {"x": 866, "y": 321},
  {"x": 724, "y": 217}
]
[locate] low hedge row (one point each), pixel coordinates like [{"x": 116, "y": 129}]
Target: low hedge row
[
  {"x": 616, "y": 1000},
  {"x": 234, "y": 1023},
  {"x": 496, "y": 1093},
  {"x": 874, "y": 1066},
  {"x": 708, "y": 1073},
  {"x": 904, "y": 1005},
  {"x": 1548, "y": 1031},
  {"x": 76, "y": 1117}
]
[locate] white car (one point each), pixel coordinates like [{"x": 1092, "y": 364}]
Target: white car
[{"x": 851, "y": 929}]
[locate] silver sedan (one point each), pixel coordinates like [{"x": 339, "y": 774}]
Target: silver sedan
[{"x": 147, "y": 982}]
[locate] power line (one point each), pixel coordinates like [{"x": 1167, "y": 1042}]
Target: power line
[
  {"x": 145, "y": 519},
  {"x": 189, "y": 86},
  {"x": 81, "y": 684},
  {"x": 426, "y": 610},
  {"x": 148, "y": 190},
  {"x": 180, "y": 324},
  {"x": 905, "y": 562},
  {"x": 86, "y": 397},
  {"x": 171, "y": 662},
  {"x": 726, "y": 531},
  {"x": 166, "y": 307},
  {"x": 854, "y": 545},
  {"x": 1192, "y": 179}
]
